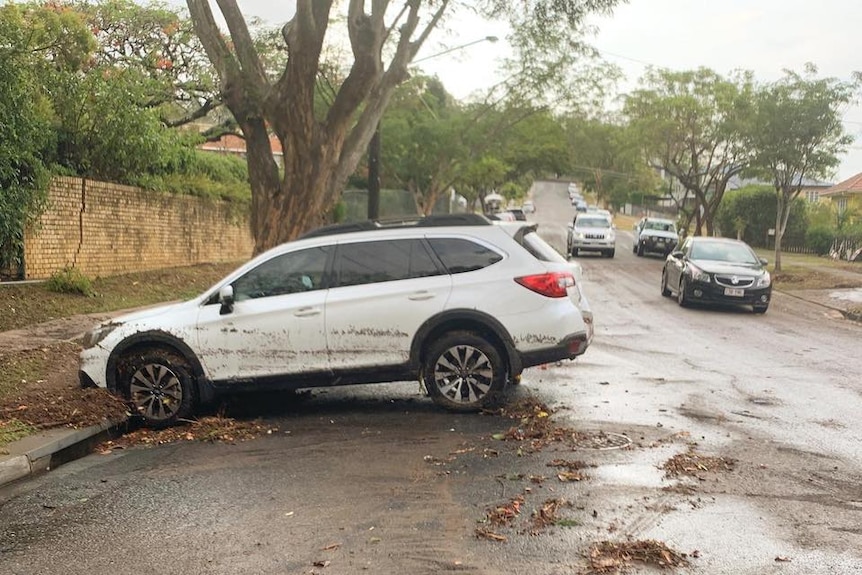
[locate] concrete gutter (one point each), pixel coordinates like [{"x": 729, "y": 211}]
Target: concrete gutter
[{"x": 45, "y": 450}]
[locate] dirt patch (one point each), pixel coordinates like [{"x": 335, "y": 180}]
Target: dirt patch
[
  {"x": 213, "y": 429},
  {"x": 617, "y": 557},
  {"x": 815, "y": 278},
  {"x": 692, "y": 464}
]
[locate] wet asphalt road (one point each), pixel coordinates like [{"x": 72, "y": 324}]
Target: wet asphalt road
[{"x": 376, "y": 479}]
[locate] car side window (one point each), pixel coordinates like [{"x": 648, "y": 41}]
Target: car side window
[
  {"x": 288, "y": 273},
  {"x": 383, "y": 261},
  {"x": 460, "y": 255}
]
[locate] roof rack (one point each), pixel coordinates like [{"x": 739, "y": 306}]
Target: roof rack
[{"x": 436, "y": 220}]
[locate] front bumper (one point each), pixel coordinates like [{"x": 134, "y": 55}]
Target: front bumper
[
  {"x": 93, "y": 367},
  {"x": 715, "y": 293},
  {"x": 657, "y": 244},
  {"x": 593, "y": 245}
]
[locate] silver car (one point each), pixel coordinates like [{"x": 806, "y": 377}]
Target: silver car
[{"x": 592, "y": 232}]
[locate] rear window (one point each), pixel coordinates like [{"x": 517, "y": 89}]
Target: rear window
[
  {"x": 460, "y": 255},
  {"x": 541, "y": 250}
]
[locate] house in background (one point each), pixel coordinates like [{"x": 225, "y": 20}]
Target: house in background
[
  {"x": 846, "y": 195},
  {"x": 232, "y": 145}
]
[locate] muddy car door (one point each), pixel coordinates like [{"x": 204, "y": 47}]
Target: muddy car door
[
  {"x": 382, "y": 292},
  {"x": 274, "y": 325}
]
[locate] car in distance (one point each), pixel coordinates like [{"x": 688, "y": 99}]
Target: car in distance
[
  {"x": 519, "y": 213},
  {"x": 717, "y": 270},
  {"x": 655, "y": 235},
  {"x": 458, "y": 302},
  {"x": 591, "y": 233},
  {"x": 529, "y": 207}
]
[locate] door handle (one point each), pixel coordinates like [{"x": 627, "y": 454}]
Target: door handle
[
  {"x": 307, "y": 311},
  {"x": 420, "y": 295}
]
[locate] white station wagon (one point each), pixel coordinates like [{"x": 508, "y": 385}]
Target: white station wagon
[{"x": 458, "y": 302}]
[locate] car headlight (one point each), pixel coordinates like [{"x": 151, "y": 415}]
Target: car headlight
[
  {"x": 764, "y": 280},
  {"x": 97, "y": 334},
  {"x": 698, "y": 274},
  {"x": 580, "y": 235}
]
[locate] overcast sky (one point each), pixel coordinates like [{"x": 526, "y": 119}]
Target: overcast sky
[{"x": 765, "y": 36}]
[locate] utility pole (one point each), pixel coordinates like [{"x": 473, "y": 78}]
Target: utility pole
[{"x": 374, "y": 144}]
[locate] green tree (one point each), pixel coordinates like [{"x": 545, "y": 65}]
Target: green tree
[
  {"x": 748, "y": 214},
  {"x": 24, "y": 116},
  {"x": 797, "y": 134},
  {"x": 693, "y": 125},
  {"x": 607, "y": 158},
  {"x": 158, "y": 45},
  {"x": 321, "y": 153}
]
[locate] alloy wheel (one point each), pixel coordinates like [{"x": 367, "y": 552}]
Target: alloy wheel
[
  {"x": 463, "y": 374},
  {"x": 156, "y": 391}
]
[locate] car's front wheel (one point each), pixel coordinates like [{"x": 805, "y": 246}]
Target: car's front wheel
[
  {"x": 158, "y": 386},
  {"x": 760, "y": 308},
  {"x": 665, "y": 291},
  {"x": 681, "y": 296},
  {"x": 463, "y": 371},
  {"x": 640, "y": 250}
]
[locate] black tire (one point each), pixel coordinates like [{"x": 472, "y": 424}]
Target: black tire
[
  {"x": 665, "y": 292},
  {"x": 760, "y": 308},
  {"x": 681, "y": 298},
  {"x": 574, "y": 252},
  {"x": 610, "y": 253},
  {"x": 640, "y": 251},
  {"x": 158, "y": 386},
  {"x": 462, "y": 371}
]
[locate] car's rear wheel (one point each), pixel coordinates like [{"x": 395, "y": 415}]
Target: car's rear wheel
[
  {"x": 464, "y": 372},
  {"x": 681, "y": 296},
  {"x": 158, "y": 386},
  {"x": 760, "y": 308},
  {"x": 665, "y": 291}
]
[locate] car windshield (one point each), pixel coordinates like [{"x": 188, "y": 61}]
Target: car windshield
[
  {"x": 600, "y": 222},
  {"x": 723, "y": 252},
  {"x": 661, "y": 226}
]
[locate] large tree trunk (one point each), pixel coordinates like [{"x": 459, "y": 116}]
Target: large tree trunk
[{"x": 319, "y": 153}]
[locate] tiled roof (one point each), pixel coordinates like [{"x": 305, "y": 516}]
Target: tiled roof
[
  {"x": 851, "y": 185},
  {"x": 236, "y": 145}
]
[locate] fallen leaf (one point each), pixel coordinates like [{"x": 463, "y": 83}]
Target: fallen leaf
[
  {"x": 321, "y": 563},
  {"x": 782, "y": 559},
  {"x": 331, "y": 547}
]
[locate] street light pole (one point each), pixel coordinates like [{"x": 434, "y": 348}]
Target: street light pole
[{"x": 374, "y": 145}]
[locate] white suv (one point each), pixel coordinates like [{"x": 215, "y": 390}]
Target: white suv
[{"x": 458, "y": 302}]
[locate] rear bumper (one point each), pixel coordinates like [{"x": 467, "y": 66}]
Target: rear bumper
[{"x": 569, "y": 348}]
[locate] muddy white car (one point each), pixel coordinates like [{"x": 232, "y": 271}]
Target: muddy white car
[{"x": 458, "y": 302}]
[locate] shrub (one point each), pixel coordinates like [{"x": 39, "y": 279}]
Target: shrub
[
  {"x": 70, "y": 280},
  {"x": 819, "y": 239}
]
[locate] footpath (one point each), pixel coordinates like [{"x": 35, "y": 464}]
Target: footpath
[{"x": 47, "y": 449}]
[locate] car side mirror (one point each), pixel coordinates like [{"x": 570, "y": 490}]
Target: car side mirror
[
  {"x": 225, "y": 298},
  {"x": 677, "y": 255},
  {"x": 764, "y": 261}
]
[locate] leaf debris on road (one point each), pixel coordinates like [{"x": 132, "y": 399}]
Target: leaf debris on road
[
  {"x": 616, "y": 556},
  {"x": 692, "y": 463}
]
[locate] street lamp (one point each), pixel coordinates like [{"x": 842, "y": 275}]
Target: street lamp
[{"x": 374, "y": 144}]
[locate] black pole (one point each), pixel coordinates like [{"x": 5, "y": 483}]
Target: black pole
[{"x": 374, "y": 175}]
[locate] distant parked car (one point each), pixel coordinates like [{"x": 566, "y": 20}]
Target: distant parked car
[
  {"x": 717, "y": 270},
  {"x": 591, "y": 233},
  {"x": 655, "y": 235},
  {"x": 518, "y": 213},
  {"x": 529, "y": 207}
]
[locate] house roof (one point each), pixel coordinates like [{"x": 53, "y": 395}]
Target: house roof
[
  {"x": 230, "y": 143},
  {"x": 852, "y": 185}
]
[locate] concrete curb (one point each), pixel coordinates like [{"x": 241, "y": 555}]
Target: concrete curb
[{"x": 42, "y": 451}]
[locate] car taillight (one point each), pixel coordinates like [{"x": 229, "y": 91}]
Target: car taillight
[{"x": 553, "y": 284}]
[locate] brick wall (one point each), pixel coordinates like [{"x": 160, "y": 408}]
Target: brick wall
[{"x": 105, "y": 229}]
